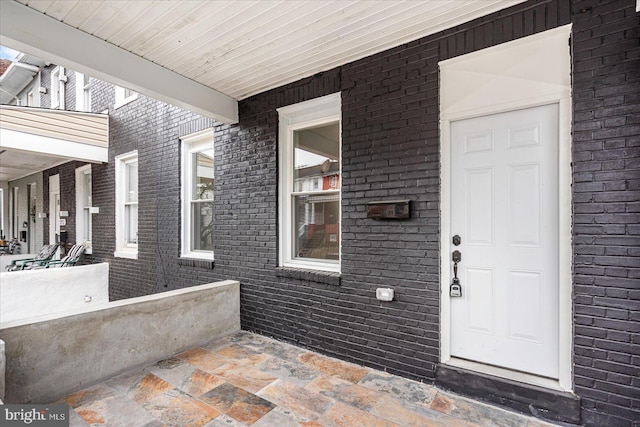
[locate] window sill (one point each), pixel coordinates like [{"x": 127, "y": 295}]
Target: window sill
[
  {"x": 126, "y": 254},
  {"x": 326, "y": 277},
  {"x": 123, "y": 102},
  {"x": 196, "y": 262}
]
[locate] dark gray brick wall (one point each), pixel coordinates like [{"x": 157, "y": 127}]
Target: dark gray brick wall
[
  {"x": 69, "y": 88},
  {"x": 45, "y": 81},
  {"x": 153, "y": 128},
  {"x": 606, "y": 194},
  {"x": 390, "y": 149}
]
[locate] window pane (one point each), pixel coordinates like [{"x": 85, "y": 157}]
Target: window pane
[
  {"x": 87, "y": 224},
  {"x": 317, "y": 226},
  {"x": 131, "y": 194},
  {"x": 203, "y": 175},
  {"x": 316, "y": 158},
  {"x": 87, "y": 189},
  {"x": 202, "y": 226},
  {"x": 131, "y": 224}
]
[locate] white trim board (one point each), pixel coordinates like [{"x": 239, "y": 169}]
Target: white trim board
[
  {"x": 523, "y": 73},
  {"x": 54, "y": 147}
]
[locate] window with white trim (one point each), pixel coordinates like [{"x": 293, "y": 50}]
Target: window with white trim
[
  {"x": 127, "y": 205},
  {"x": 197, "y": 195},
  {"x": 124, "y": 96},
  {"x": 58, "y": 79},
  {"x": 310, "y": 194},
  {"x": 83, "y": 207},
  {"x": 83, "y": 92}
]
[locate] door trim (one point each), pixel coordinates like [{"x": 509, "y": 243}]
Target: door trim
[{"x": 560, "y": 94}]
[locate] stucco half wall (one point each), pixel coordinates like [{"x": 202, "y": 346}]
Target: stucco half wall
[
  {"x": 34, "y": 293},
  {"x": 50, "y": 357}
]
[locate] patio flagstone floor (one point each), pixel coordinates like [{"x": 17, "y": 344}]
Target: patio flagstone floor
[{"x": 249, "y": 380}]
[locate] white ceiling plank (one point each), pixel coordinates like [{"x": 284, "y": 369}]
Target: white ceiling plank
[
  {"x": 204, "y": 43},
  {"x": 81, "y": 12},
  {"x": 336, "y": 32},
  {"x": 354, "y": 48},
  {"x": 137, "y": 24},
  {"x": 275, "y": 40},
  {"x": 202, "y": 37},
  {"x": 192, "y": 20},
  {"x": 84, "y": 53},
  {"x": 335, "y": 28},
  {"x": 39, "y": 5},
  {"x": 163, "y": 27},
  {"x": 230, "y": 31},
  {"x": 100, "y": 17},
  {"x": 60, "y": 9},
  {"x": 115, "y": 27},
  {"x": 318, "y": 46}
]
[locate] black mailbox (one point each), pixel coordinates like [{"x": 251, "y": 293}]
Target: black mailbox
[{"x": 388, "y": 209}]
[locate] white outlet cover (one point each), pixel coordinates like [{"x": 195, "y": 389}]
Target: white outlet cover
[{"x": 384, "y": 294}]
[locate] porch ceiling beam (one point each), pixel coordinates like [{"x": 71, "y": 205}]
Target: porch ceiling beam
[{"x": 29, "y": 31}]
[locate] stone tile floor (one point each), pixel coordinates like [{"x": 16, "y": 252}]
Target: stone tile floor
[{"x": 250, "y": 380}]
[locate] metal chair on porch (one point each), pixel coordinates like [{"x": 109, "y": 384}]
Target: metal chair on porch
[
  {"x": 45, "y": 254},
  {"x": 69, "y": 260}
]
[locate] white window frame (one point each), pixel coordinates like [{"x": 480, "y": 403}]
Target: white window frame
[
  {"x": 83, "y": 92},
  {"x": 192, "y": 144},
  {"x": 124, "y": 249},
  {"x": 81, "y": 207},
  {"x": 122, "y": 98},
  {"x": 315, "y": 112},
  {"x": 58, "y": 79}
]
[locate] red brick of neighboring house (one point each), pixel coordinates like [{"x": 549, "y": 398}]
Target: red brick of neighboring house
[{"x": 4, "y": 64}]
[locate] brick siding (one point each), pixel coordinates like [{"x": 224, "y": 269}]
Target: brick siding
[
  {"x": 153, "y": 128},
  {"x": 606, "y": 196}
]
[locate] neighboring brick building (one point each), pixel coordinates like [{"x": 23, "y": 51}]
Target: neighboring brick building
[{"x": 391, "y": 149}]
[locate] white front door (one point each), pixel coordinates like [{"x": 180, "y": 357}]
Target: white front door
[{"x": 504, "y": 208}]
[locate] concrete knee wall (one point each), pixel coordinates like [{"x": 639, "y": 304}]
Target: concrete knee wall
[{"x": 49, "y": 358}]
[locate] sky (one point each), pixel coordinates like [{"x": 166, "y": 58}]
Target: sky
[{"x": 6, "y": 53}]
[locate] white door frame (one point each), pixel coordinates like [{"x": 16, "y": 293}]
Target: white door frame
[
  {"x": 32, "y": 193},
  {"x": 54, "y": 189},
  {"x": 538, "y": 94}
]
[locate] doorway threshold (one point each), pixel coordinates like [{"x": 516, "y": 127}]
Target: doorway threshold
[
  {"x": 543, "y": 402},
  {"x": 519, "y": 376}
]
